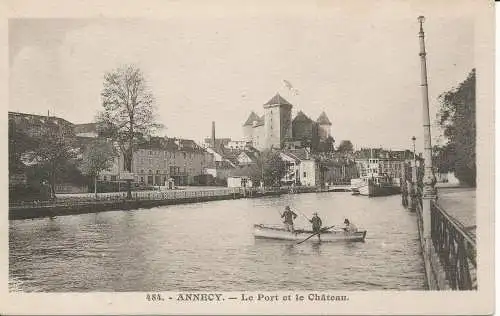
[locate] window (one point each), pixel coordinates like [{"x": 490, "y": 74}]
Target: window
[
  {"x": 142, "y": 179},
  {"x": 113, "y": 178},
  {"x": 184, "y": 155},
  {"x": 150, "y": 152},
  {"x": 305, "y": 174},
  {"x": 105, "y": 178}
]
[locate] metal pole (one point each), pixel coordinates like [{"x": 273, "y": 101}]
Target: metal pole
[
  {"x": 429, "y": 180},
  {"x": 414, "y": 165},
  {"x": 414, "y": 153}
]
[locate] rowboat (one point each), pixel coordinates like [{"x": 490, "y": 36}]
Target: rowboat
[{"x": 279, "y": 232}]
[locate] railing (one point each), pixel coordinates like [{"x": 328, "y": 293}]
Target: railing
[
  {"x": 105, "y": 197},
  {"x": 86, "y": 199},
  {"x": 456, "y": 249}
]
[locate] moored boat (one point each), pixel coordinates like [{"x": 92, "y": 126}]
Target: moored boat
[
  {"x": 378, "y": 186},
  {"x": 278, "y": 232}
]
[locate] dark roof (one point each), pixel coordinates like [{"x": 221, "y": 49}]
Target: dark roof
[
  {"x": 278, "y": 100},
  {"x": 171, "y": 144},
  {"x": 301, "y": 117},
  {"x": 246, "y": 170},
  {"x": 323, "y": 119},
  {"x": 251, "y": 118},
  {"x": 251, "y": 154},
  {"x": 231, "y": 154}
]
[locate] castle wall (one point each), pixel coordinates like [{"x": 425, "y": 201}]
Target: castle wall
[
  {"x": 272, "y": 127},
  {"x": 285, "y": 123},
  {"x": 258, "y": 137},
  {"x": 302, "y": 130},
  {"x": 324, "y": 131},
  {"x": 278, "y": 125},
  {"x": 248, "y": 133}
]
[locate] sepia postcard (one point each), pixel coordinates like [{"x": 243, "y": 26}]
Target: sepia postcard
[{"x": 248, "y": 157}]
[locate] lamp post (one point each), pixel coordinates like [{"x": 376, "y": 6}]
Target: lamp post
[
  {"x": 429, "y": 191},
  {"x": 414, "y": 179},
  {"x": 414, "y": 155}
]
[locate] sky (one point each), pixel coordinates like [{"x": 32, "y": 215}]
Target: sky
[{"x": 363, "y": 70}]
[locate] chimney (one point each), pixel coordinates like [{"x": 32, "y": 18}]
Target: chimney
[{"x": 213, "y": 135}]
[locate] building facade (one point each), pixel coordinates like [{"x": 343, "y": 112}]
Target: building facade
[
  {"x": 380, "y": 162},
  {"x": 302, "y": 168},
  {"x": 160, "y": 159}
]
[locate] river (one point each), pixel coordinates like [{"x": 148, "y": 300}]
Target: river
[{"x": 210, "y": 246}]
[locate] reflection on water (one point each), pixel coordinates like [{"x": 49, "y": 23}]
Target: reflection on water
[{"x": 210, "y": 246}]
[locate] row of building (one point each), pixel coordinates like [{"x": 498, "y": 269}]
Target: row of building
[{"x": 175, "y": 161}]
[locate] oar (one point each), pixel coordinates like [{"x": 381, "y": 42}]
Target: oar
[
  {"x": 320, "y": 231},
  {"x": 304, "y": 216}
]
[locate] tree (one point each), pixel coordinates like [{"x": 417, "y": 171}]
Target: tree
[
  {"x": 269, "y": 168},
  {"x": 345, "y": 146},
  {"x": 443, "y": 158},
  {"x": 128, "y": 113},
  {"x": 457, "y": 117},
  {"x": 19, "y": 144},
  {"x": 273, "y": 167},
  {"x": 98, "y": 157},
  {"x": 55, "y": 148}
]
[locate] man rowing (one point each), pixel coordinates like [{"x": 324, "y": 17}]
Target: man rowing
[
  {"x": 289, "y": 216},
  {"x": 316, "y": 224}
]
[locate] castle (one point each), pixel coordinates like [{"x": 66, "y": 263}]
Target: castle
[{"x": 275, "y": 129}]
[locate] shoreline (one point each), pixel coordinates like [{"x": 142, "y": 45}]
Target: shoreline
[{"x": 69, "y": 207}]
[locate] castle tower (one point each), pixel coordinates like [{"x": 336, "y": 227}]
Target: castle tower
[
  {"x": 277, "y": 121},
  {"x": 248, "y": 127},
  {"x": 324, "y": 126}
]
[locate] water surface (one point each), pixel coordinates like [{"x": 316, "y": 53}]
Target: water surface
[{"x": 210, "y": 246}]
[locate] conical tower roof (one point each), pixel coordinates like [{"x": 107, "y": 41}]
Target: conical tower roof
[
  {"x": 251, "y": 118},
  {"x": 301, "y": 117},
  {"x": 323, "y": 119},
  {"x": 277, "y": 100}
]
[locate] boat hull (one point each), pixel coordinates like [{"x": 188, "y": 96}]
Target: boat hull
[
  {"x": 278, "y": 232},
  {"x": 372, "y": 189}
]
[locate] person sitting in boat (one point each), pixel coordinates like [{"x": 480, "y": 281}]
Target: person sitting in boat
[
  {"x": 316, "y": 222},
  {"x": 289, "y": 216},
  {"x": 350, "y": 227}
]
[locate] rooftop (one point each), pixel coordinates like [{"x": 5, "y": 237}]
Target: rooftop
[
  {"x": 301, "y": 117},
  {"x": 277, "y": 100},
  {"x": 323, "y": 119},
  {"x": 171, "y": 144},
  {"x": 251, "y": 118},
  {"x": 297, "y": 154}
]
